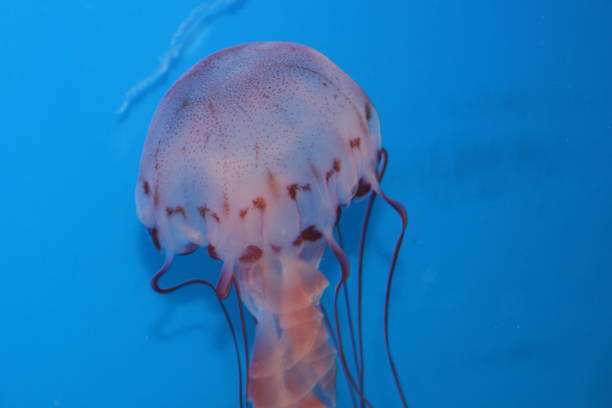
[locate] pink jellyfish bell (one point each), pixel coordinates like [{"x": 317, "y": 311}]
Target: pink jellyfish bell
[{"x": 251, "y": 154}]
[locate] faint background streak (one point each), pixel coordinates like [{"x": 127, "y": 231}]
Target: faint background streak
[{"x": 190, "y": 31}]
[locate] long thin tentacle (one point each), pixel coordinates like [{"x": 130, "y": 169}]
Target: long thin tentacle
[
  {"x": 244, "y": 331},
  {"x": 235, "y": 341},
  {"x": 167, "y": 263},
  {"x": 344, "y": 265},
  {"x": 399, "y": 208},
  {"x": 330, "y": 329},
  {"x": 349, "y": 313},
  {"x": 362, "y": 241},
  {"x": 155, "y": 285}
]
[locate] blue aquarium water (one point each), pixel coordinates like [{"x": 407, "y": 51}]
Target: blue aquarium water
[{"x": 498, "y": 121}]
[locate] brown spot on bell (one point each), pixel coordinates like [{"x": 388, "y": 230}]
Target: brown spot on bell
[{"x": 251, "y": 254}]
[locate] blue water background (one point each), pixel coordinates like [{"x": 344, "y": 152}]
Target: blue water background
[{"x": 498, "y": 119}]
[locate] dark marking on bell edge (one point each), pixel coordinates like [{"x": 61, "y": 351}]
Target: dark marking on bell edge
[
  {"x": 189, "y": 249},
  {"x": 259, "y": 203},
  {"x": 311, "y": 234},
  {"x": 368, "y": 111},
  {"x": 298, "y": 241},
  {"x": 251, "y": 254},
  {"x": 292, "y": 190},
  {"x": 146, "y": 187},
  {"x": 363, "y": 188},
  {"x": 355, "y": 143},
  {"x": 337, "y": 166},
  {"x": 154, "y": 237},
  {"x": 243, "y": 212},
  {"x": 176, "y": 210},
  {"x": 205, "y": 210},
  {"x": 212, "y": 252}
]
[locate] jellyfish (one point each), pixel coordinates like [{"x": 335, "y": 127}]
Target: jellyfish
[{"x": 251, "y": 155}]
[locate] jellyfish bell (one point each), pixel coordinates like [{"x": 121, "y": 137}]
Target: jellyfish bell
[
  {"x": 250, "y": 155},
  {"x": 273, "y": 127}
]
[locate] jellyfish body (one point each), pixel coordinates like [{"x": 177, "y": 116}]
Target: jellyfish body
[{"x": 250, "y": 154}]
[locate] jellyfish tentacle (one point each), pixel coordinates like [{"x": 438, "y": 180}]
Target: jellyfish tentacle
[
  {"x": 362, "y": 240},
  {"x": 330, "y": 330},
  {"x": 222, "y": 288},
  {"x": 352, "y": 332},
  {"x": 401, "y": 211},
  {"x": 344, "y": 265},
  {"x": 244, "y": 331},
  {"x": 164, "y": 268},
  {"x": 235, "y": 341},
  {"x": 349, "y": 315},
  {"x": 157, "y": 288}
]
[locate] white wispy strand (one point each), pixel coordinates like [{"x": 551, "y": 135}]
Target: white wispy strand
[{"x": 185, "y": 31}]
